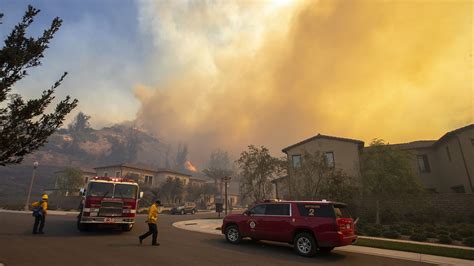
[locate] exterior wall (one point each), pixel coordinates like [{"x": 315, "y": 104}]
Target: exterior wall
[
  {"x": 459, "y": 170},
  {"x": 431, "y": 179},
  {"x": 126, "y": 171},
  {"x": 346, "y": 154},
  {"x": 162, "y": 176}
]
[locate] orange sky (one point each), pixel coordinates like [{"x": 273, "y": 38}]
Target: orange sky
[{"x": 275, "y": 73}]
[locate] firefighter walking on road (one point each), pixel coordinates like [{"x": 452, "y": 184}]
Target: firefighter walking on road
[
  {"x": 151, "y": 221},
  {"x": 40, "y": 208}
]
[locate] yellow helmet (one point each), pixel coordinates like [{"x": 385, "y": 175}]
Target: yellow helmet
[{"x": 44, "y": 197}]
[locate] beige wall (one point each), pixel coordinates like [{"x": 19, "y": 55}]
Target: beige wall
[{"x": 346, "y": 154}]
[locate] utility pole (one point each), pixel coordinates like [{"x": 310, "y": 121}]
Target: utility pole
[
  {"x": 27, "y": 204},
  {"x": 226, "y": 180}
]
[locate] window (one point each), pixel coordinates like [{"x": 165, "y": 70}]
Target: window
[
  {"x": 423, "y": 164},
  {"x": 296, "y": 160},
  {"x": 329, "y": 157},
  {"x": 117, "y": 174},
  {"x": 106, "y": 174},
  {"x": 458, "y": 189},
  {"x": 125, "y": 191},
  {"x": 448, "y": 153},
  {"x": 100, "y": 190},
  {"x": 278, "y": 209},
  {"x": 148, "y": 180},
  {"x": 316, "y": 210},
  {"x": 258, "y": 210}
]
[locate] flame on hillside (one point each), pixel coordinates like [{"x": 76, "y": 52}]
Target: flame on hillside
[{"x": 190, "y": 166}]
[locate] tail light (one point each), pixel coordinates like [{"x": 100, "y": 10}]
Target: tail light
[{"x": 344, "y": 224}]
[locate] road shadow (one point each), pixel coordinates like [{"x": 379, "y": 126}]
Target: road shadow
[
  {"x": 282, "y": 251},
  {"x": 68, "y": 228}
]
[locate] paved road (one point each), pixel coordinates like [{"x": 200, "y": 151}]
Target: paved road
[{"x": 64, "y": 245}]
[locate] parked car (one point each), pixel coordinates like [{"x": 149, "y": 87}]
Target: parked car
[
  {"x": 187, "y": 207},
  {"x": 308, "y": 225}
]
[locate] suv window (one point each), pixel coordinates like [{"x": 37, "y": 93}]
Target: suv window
[
  {"x": 316, "y": 210},
  {"x": 258, "y": 210},
  {"x": 341, "y": 211},
  {"x": 278, "y": 209}
]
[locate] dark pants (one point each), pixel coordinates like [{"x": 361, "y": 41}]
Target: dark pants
[
  {"x": 152, "y": 230},
  {"x": 39, "y": 220}
]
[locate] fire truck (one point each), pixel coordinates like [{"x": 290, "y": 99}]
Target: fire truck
[{"x": 109, "y": 201}]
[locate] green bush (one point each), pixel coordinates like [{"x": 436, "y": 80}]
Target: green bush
[
  {"x": 391, "y": 234},
  {"x": 442, "y": 232},
  {"x": 418, "y": 237},
  {"x": 429, "y": 228},
  {"x": 405, "y": 232},
  {"x": 455, "y": 236},
  {"x": 466, "y": 233},
  {"x": 469, "y": 241},
  {"x": 395, "y": 227},
  {"x": 430, "y": 235},
  {"x": 419, "y": 230},
  {"x": 373, "y": 231},
  {"x": 444, "y": 239}
]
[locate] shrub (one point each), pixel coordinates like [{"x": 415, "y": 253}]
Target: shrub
[
  {"x": 373, "y": 231},
  {"x": 469, "y": 241},
  {"x": 395, "y": 227},
  {"x": 455, "y": 236},
  {"x": 418, "y": 230},
  {"x": 418, "y": 237},
  {"x": 442, "y": 232},
  {"x": 430, "y": 235},
  {"x": 405, "y": 232},
  {"x": 391, "y": 234},
  {"x": 465, "y": 233},
  {"x": 429, "y": 228},
  {"x": 444, "y": 239}
]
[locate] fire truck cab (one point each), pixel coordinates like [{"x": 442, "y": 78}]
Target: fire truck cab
[{"x": 109, "y": 201}]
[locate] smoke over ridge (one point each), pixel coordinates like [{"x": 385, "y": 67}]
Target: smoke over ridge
[{"x": 232, "y": 74}]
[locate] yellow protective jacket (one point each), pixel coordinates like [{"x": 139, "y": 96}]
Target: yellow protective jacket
[
  {"x": 43, "y": 204},
  {"x": 152, "y": 214}
]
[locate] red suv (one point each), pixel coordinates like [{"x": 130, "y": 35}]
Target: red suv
[{"x": 308, "y": 225}]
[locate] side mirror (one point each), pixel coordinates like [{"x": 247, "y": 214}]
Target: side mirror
[
  {"x": 247, "y": 212},
  {"x": 356, "y": 220},
  {"x": 141, "y": 195}
]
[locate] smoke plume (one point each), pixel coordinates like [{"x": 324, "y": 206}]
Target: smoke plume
[{"x": 230, "y": 74}]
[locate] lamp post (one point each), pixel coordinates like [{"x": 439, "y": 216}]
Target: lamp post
[
  {"x": 27, "y": 204},
  {"x": 226, "y": 180}
]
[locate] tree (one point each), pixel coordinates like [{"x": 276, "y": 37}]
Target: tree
[
  {"x": 69, "y": 180},
  {"x": 257, "y": 169},
  {"x": 80, "y": 123},
  {"x": 24, "y": 127},
  {"x": 386, "y": 174},
  {"x": 219, "y": 166},
  {"x": 172, "y": 190},
  {"x": 315, "y": 179}
]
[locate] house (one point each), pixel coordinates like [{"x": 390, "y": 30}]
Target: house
[
  {"x": 443, "y": 165},
  {"x": 86, "y": 175},
  {"x": 446, "y": 164},
  {"x": 144, "y": 175}
]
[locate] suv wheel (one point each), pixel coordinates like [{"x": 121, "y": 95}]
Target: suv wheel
[
  {"x": 182, "y": 212},
  {"x": 193, "y": 211},
  {"x": 305, "y": 245},
  {"x": 232, "y": 234}
]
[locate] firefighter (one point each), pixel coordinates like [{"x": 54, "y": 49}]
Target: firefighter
[
  {"x": 40, "y": 208},
  {"x": 151, "y": 221}
]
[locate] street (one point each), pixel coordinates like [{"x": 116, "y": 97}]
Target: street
[{"x": 64, "y": 245}]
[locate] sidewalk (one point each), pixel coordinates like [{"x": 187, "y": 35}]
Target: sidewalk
[{"x": 209, "y": 226}]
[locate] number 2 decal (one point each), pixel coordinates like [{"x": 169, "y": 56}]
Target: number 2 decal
[{"x": 311, "y": 212}]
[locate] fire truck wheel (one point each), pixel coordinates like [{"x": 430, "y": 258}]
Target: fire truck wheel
[{"x": 127, "y": 227}]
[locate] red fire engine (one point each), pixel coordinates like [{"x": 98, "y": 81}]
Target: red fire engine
[{"x": 109, "y": 200}]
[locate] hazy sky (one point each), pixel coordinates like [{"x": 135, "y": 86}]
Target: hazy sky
[{"x": 226, "y": 74}]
